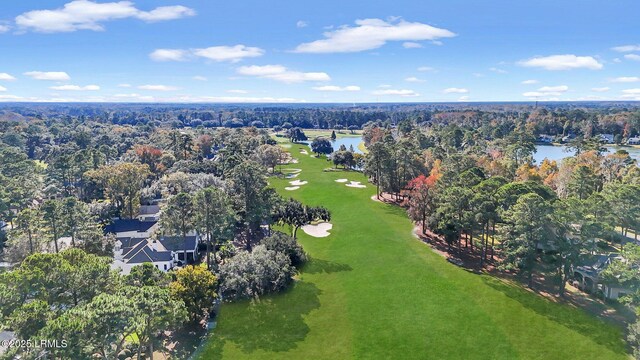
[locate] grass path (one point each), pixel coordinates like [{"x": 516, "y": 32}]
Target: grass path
[{"x": 372, "y": 291}]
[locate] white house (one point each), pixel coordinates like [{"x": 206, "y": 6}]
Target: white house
[
  {"x": 606, "y": 138},
  {"x": 634, "y": 140},
  {"x": 177, "y": 245},
  {"x": 587, "y": 277},
  {"x": 131, "y": 252}
]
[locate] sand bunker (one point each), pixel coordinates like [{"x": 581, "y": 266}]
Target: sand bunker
[
  {"x": 304, "y": 152},
  {"x": 291, "y": 188},
  {"x": 342, "y": 180},
  {"x": 356, "y": 184},
  {"x": 298, "y": 183},
  {"x": 291, "y": 176},
  {"x": 319, "y": 230}
]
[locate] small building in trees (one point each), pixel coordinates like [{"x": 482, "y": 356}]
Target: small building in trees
[{"x": 587, "y": 277}]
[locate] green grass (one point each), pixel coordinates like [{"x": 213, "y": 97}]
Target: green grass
[{"x": 372, "y": 291}]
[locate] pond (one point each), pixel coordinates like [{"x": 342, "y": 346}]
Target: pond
[
  {"x": 346, "y": 141},
  {"x": 558, "y": 153}
]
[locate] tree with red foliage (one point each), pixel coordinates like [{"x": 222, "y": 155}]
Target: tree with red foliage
[
  {"x": 149, "y": 155},
  {"x": 421, "y": 198}
]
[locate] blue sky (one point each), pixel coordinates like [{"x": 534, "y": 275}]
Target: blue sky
[{"x": 328, "y": 51}]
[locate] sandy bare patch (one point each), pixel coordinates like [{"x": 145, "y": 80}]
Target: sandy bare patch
[
  {"x": 291, "y": 188},
  {"x": 356, "y": 184},
  {"x": 291, "y": 176},
  {"x": 298, "y": 183},
  {"x": 320, "y": 230},
  {"x": 304, "y": 152},
  {"x": 342, "y": 180}
]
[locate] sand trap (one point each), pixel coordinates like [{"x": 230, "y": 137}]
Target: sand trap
[
  {"x": 356, "y": 184},
  {"x": 293, "y": 161},
  {"x": 342, "y": 180},
  {"x": 298, "y": 183},
  {"x": 303, "y": 151},
  {"x": 291, "y": 188},
  {"x": 320, "y": 230},
  {"x": 291, "y": 176}
]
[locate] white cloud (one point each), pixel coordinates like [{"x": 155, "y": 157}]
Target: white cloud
[
  {"x": 228, "y": 53},
  {"x": 2, "y": 88},
  {"x": 529, "y": 82},
  {"x": 199, "y": 78},
  {"x": 547, "y": 91},
  {"x": 169, "y": 55},
  {"x": 426, "y": 68},
  {"x": 337, "y": 88},
  {"x": 89, "y": 15},
  {"x": 600, "y": 89},
  {"x": 10, "y": 98},
  {"x": 562, "y": 62},
  {"x": 454, "y": 90},
  {"x": 124, "y": 85},
  {"x": 76, "y": 88},
  {"x": 237, "y": 91},
  {"x": 133, "y": 97},
  {"x": 554, "y": 89},
  {"x": 302, "y": 24},
  {"x": 397, "y": 92},
  {"x": 626, "y": 48},
  {"x": 625, "y": 79},
  {"x": 4, "y": 28},
  {"x": 371, "y": 34},
  {"x": 48, "y": 75},
  {"x": 164, "y": 13},
  {"x": 463, "y": 98},
  {"x": 240, "y": 99},
  {"x": 633, "y": 57},
  {"x": 497, "y": 70},
  {"x": 631, "y": 94},
  {"x": 384, "y": 86},
  {"x": 216, "y": 53},
  {"x": 414, "y": 79},
  {"x": 617, "y": 60},
  {"x": 157, "y": 87},
  {"x": 411, "y": 45},
  {"x": 282, "y": 74},
  {"x": 6, "y": 77}
]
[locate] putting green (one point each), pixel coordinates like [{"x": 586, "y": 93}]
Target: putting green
[{"x": 372, "y": 291}]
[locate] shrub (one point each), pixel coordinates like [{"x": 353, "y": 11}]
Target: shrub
[
  {"x": 251, "y": 274},
  {"x": 287, "y": 245}
]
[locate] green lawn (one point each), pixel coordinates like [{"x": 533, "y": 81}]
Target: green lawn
[{"x": 372, "y": 291}]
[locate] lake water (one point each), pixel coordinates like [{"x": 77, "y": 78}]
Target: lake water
[
  {"x": 348, "y": 141},
  {"x": 560, "y": 152},
  {"x": 543, "y": 151}
]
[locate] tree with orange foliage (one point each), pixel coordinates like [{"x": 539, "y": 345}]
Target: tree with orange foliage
[
  {"x": 149, "y": 155},
  {"x": 420, "y": 195}
]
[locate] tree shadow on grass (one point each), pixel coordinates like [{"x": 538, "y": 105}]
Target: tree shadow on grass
[
  {"x": 274, "y": 323},
  {"x": 318, "y": 266},
  {"x": 572, "y": 318}
]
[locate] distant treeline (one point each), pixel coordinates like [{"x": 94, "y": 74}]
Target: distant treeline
[{"x": 618, "y": 118}]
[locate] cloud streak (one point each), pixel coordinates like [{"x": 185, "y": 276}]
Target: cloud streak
[
  {"x": 282, "y": 74},
  {"x": 89, "y": 15},
  {"x": 368, "y": 34},
  {"x": 562, "y": 62}
]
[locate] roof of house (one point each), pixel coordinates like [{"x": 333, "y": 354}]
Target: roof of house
[
  {"x": 143, "y": 252},
  {"x": 177, "y": 243},
  {"x": 125, "y": 225},
  {"x": 149, "y": 209}
]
